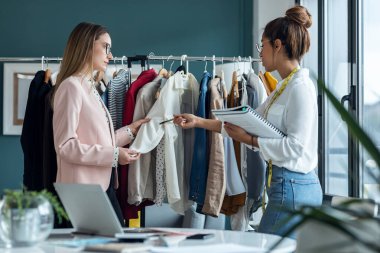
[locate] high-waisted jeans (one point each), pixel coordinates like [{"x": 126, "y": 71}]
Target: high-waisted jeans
[{"x": 288, "y": 191}]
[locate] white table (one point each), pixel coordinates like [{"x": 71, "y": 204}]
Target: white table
[{"x": 257, "y": 242}]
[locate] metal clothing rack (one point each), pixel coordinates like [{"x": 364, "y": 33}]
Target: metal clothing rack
[{"x": 143, "y": 59}]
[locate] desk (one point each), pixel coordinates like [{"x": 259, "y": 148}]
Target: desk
[{"x": 257, "y": 241}]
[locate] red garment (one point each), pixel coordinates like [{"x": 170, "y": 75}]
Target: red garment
[{"x": 130, "y": 211}]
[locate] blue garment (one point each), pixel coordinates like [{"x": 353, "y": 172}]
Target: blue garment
[
  {"x": 255, "y": 164},
  {"x": 199, "y": 165},
  {"x": 288, "y": 191}
]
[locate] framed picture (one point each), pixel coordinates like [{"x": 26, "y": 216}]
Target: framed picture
[{"x": 17, "y": 79}]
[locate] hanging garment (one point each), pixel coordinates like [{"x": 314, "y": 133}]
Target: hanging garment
[
  {"x": 116, "y": 97},
  {"x": 131, "y": 211},
  {"x": 236, "y": 192},
  {"x": 199, "y": 166},
  {"x": 160, "y": 184},
  {"x": 189, "y": 103},
  {"x": 255, "y": 165},
  {"x": 151, "y": 133},
  {"x": 32, "y": 132},
  {"x": 255, "y": 83},
  {"x": 49, "y": 155},
  {"x": 160, "y": 174},
  {"x": 240, "y": 220},
  {"x": 233, "y": 101},
  {"x": 140, "y": 175},
  {"x": 216, "y": 181}
]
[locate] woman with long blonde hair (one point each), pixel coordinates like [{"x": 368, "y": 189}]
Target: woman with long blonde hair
[{"x": 88, "y": 149}]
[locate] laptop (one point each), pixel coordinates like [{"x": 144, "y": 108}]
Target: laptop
[{"x": 89, "y": 209}]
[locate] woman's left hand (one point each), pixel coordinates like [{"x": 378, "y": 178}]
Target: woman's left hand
[
  {"x": 135, "y": 126},
  {"x": 235, "y": 132}
]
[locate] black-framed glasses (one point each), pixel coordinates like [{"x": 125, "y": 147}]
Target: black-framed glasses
[{"x": 259, "y": 47}]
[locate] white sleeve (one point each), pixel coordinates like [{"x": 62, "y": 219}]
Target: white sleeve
[{"x": 299, "y": 114}]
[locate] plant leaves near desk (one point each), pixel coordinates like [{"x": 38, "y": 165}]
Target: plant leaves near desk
[
  {"x": 21, "y": 199},
  {"x": 331, "y": 216}
]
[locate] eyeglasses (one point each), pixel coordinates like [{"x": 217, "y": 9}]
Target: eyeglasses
[
  {"x": 107, "y": 48},
  {"x": 259, "y": 47}
]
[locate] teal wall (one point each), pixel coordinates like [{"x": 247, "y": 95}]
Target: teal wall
[{"x": 192, "y": 27}]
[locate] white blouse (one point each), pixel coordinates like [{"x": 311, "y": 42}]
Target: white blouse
[
  {"x": 295, "y": 113},
  {"x": 151, "y": 133}
]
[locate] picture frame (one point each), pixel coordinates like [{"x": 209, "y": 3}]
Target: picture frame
[{"x": 17, "y": 79}]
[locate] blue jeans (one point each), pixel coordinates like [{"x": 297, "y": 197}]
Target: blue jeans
[{"x": 288, "y": 191}]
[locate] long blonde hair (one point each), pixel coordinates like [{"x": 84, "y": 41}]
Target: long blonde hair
[{"x": 78, "y": 52}]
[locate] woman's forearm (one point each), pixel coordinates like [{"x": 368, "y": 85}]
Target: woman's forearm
[{"x": 209, "y": 124}]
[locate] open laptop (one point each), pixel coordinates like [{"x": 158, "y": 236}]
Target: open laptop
[{"x": 89, "y": 209}]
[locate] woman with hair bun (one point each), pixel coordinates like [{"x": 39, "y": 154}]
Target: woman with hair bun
[{"x": 291, "y": 179}]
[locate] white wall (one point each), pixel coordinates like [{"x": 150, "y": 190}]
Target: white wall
[{"x": 263, "y": 12}]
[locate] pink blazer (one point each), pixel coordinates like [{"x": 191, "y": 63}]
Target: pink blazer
[{"x": 83, "y": 140}]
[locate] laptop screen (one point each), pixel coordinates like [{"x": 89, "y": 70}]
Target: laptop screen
[{"x": 89, "y": 209}]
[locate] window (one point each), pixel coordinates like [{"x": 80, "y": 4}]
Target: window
[
  {"x": 347, "y": 59},
  {"x": 370, "y": 90}
]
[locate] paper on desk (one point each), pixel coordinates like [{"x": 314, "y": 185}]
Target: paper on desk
[
  {"x": 119, "y": 247},
  {"x": 209, "y": 248},
  {"x": 77, "y": 243}
]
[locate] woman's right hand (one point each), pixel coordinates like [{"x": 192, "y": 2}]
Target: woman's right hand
[
  {"x": 186, "y": 120},
  {"x": 127, "y": 156}
]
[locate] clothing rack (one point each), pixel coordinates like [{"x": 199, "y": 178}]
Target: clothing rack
[
  {"x": 143, "y": 59},
  {"x": 139, "y": 57}
]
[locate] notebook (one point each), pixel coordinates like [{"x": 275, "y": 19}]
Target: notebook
[{"x": 248, "y": 119}]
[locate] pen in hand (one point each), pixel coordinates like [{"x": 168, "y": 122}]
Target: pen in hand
[{"x": 165, "y": 121}]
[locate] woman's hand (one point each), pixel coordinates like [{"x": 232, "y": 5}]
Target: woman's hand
[
  {"x": 186, "y": 120},
  {"x": 239, "y": 134},
  {"x": 127, "y": 156},
  {"x": 135, "y": 126}
]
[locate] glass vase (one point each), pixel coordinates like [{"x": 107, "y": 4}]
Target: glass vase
[{"x": 26, "y": 221}]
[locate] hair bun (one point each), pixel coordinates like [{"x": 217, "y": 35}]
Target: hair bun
[{"x": 300, "y": 15}]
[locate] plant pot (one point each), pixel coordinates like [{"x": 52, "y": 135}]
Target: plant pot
[{"x": 28, "y": 223}]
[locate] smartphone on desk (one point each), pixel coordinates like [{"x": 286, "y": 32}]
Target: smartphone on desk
[{"x": 200, "y": 236}]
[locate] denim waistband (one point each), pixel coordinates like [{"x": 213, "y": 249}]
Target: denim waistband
[{"x": 284, "y": 173}]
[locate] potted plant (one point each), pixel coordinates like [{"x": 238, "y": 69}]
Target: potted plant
[
  {"x": 348, "y": 226},
  {"x": 26, "y": 217}
]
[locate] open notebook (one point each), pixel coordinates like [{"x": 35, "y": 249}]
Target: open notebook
[{"x": 249, "y": 120}]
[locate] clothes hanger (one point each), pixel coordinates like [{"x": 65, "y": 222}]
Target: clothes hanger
[
  {"x": 168, "y": 74},
  {"x": 205, "y": 71},
  {"x": 122, "y": 61},
  {"x": 223, "y": 83},
  {"x": 181, "y": 68},
  {"x": 47, "y": 72},
  {"x": 115, "y": 72},
  {"x": 235, "y": 82},
  {"x": 183, "y": 58},
  {"x": 170, "y": 69},
  {"x": 213, "y": 67},
  {"x": 250, "y": 65},
  {"x": 42, "y": 62},
  {"x": 163, "y": 72}
]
